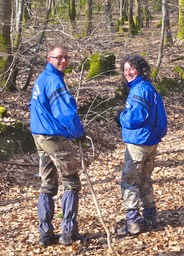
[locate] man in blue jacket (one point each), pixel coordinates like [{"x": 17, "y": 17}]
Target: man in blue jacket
[
  {"x": 141, "y": 146},
  {"x": 54, "y": 122}
]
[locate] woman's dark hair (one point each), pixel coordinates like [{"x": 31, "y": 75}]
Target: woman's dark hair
[{"x": 139, "y": 63}]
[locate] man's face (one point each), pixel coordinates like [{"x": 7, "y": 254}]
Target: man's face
[
  {"x": 130, "y": 72},
  {"x": 58, "y": 58}
]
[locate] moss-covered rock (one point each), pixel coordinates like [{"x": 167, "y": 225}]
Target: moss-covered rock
[
  {"x": 15, "y": 139},
  {"x": 101, "y": 64}
]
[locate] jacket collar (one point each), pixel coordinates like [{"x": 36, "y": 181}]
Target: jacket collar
[
  {"x": 49, "y": 67},
  {"x": 135, "y": 81}
]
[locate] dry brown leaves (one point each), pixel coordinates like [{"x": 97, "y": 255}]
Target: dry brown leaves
[{"x": 20, "y": 188}]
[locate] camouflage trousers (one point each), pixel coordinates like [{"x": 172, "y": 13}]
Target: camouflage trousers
[
  {"x": 57, "y": 161},
  {"x": 136, "y": 185}
]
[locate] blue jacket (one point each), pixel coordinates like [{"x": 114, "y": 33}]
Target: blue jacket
[
  {"x": 53, "y": 110},
  {"x": 139, "y": 113}
]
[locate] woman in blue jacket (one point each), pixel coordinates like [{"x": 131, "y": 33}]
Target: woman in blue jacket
[
  {"x": 54, "y": 121},
  {"x": 141, "y": 145}
]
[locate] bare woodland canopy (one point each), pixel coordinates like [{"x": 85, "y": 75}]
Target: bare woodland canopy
[{"x": 27, "y": 27}]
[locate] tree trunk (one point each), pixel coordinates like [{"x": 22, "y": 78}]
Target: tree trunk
[
  {"x": 40, "y": 39},
  {"x": 19, "y": 11},
  {"x": 27, "y": 12},
  {"x": 5, "y": 45},
  {"x": 181, "y": 20},
  {"x": 72, "y": 15},
  {"x": 18, "y": 22},
  {"x": 122, "y": 14},
  {"x": 138, "y": 14},
  {"x": 108, "y": 15},
  {"x": 89, "y": 11},
  {"x": 132, "y": 27},
  {"x": 168, "y": 34},
  {"x": 146, "y": 12},
  {"x": 160, "y": 51}
]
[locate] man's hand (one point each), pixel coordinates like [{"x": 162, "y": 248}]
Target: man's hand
[{"x": 117, "y": 118}]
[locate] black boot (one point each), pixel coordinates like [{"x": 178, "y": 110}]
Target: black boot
[
  {"x": 48, "y": 240},
  {"x": 150, "y": 214},
  {"x": 133, "y": 227}
]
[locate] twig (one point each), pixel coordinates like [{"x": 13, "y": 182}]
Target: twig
[
  {"x": 97, "y": 115},
  {"x": 80, "y": 82},
  {"x": 15, "y": 163},
  {"x": 95, "y": 199},
  {"x": 91, "y": 144}
]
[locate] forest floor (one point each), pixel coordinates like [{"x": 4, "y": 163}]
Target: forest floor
[{"x": 20, "y": 183}]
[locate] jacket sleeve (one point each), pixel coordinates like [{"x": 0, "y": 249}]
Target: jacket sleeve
[
  {"x": 64, "y": 109},
  {"x": 136, "y": 111}
]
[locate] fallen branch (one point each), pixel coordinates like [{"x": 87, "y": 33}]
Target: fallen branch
[
  {"x": 95, "y": 199},
  {"x": 15, "y": 163}
]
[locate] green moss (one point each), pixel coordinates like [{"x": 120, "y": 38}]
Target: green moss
[
  {"x": 101, "y": 64},
  {"x": 118, "y": 24},
  {"x": 3, "y": 111},
  {"x": 167, "y": 85},
  {"x": 15, "y": 139},
  {"x": 159, "y": 24},
  {"x": 68, "y": 70},
  {"x": 161, "y": 86},
  {"x": 180, "y": 34},
  {"x": 154, "y": 72},
  {"x": 179, "y": 70},
  {"x": 157, "y": 5},
  {"x": 2, "y": 64},
  {"x": 4, "y": 43},
  {"x": 144, "y": 54}
]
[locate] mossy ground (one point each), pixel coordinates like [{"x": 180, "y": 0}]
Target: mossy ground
[{"x": 15, "y": 139}]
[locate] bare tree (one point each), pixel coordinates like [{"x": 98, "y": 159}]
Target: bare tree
[
  {"x": 181, "y": 20},
  {"x": 37, "y": 48},
  {"x": 132, "y": 27},
  {"x": 5, "y": 45},
  {"x": 138, "y": 14},
  {"x": 168, "y": 34},
  {"x": 27, "y": 11},
  {"x": 108, "y": 15},
  {"x": 146, "y": 12},
  {"x": 72, "y": 15},
  {"x": 160, "y": 51},
  {"x": 89, "y": 11}
]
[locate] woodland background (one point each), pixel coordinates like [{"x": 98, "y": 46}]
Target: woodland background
[{"x": 99, "y": 99}]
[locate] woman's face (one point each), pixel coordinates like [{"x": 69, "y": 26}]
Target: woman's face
[{"x": 130, "y": 72}]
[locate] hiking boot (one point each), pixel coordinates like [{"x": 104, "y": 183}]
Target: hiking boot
[
  {"x": 66, "y": 239},
  {"x": 133, "y": 227},
  {"x": 48, "y": 240},
  {"x": 150, "y": 214},
  {"x": 45, "y": 241},
  {"x": 76, "y": 237},
  {"x": 152, "y": 221},
  {"x": 82, "y": 238}
]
